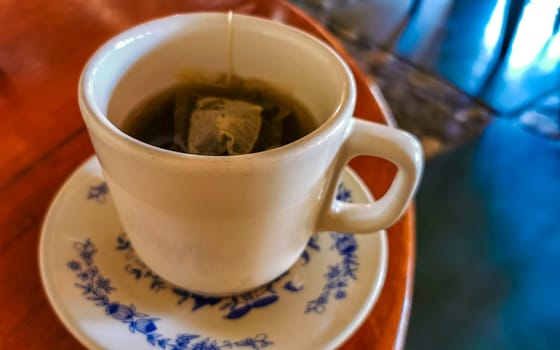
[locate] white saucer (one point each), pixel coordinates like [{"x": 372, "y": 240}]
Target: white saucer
[{"x": 108, "y": 299}]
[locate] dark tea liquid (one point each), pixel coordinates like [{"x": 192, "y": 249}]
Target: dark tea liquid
[{"x": 161, "y": 118}]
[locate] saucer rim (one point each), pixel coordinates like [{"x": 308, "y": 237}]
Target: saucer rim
[{"x": 61, "y": 313}]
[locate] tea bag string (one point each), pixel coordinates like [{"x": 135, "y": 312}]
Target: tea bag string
[{"x": 230, "y": 46}]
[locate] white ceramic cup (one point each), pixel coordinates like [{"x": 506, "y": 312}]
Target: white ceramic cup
[{"x": 223, "y": 225}]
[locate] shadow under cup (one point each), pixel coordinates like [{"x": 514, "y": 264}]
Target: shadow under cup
[{"x": 149, "y": 58}]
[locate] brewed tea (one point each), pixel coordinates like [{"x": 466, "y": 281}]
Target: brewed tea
[{"x": 242, "y": 116}]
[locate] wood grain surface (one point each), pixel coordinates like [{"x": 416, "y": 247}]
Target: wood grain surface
[{"x": 43, "y": 47}]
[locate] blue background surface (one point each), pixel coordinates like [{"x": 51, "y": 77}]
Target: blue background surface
[{"x": 488, "y": 265}]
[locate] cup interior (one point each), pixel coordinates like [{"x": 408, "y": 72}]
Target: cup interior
[{"x": 150, "y": 58}]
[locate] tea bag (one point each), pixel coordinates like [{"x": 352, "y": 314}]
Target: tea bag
[
  {"x": 271, "y": 129},
  {"x": 221, "y": 126}
]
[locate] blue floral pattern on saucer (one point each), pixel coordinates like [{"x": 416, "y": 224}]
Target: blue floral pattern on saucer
[
  {"x": 98, "y": 192},
  {"x": 97, "y": 288},
  {"x": 338, "y": 275},
  {"x": 341, "y": 274}
]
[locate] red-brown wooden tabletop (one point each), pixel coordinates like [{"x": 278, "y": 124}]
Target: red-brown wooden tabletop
[{"x": 43, "y": 47}]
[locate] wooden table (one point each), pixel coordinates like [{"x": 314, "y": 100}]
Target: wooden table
[{"x": 43, "y": 47}]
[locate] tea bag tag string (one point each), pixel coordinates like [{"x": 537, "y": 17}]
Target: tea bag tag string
[{"x": 230, "y": 46}]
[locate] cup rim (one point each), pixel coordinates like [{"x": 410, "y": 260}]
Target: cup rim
[{"x": 95, "y": 118}]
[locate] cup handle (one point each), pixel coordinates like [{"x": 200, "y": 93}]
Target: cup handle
[{"x": 396, "y": 146}]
